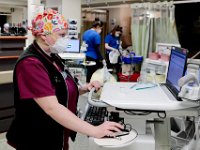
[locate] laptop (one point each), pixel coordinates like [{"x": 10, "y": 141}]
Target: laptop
[
  {"x": 156, "y": 98},
  {"x": 176, "y": 70}
]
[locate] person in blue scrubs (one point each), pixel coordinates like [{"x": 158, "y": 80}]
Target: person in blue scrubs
[
  {"x": 112, "y": 43},
  {"x": 93, "y": 40}
]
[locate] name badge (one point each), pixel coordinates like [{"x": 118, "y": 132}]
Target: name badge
[{"x": 64, "y": 74}]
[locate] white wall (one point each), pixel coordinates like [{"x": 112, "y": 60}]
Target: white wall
[
  {"x": 32, "y": 5},
  {"x": 25, "y": 14},
  {"x": 17, "y": 16},
  {"x": 5, "y": 9},
  {"x": 54, "y": 4},
  {"x": 71, "y": 9}
]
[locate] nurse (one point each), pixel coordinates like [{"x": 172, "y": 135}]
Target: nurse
[
  {"x": 93, "y": 40},
  {"x": 46, "y": 94},
  {"x": 112, "y": 43}
]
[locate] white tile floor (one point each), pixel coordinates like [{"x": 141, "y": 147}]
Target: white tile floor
[
  {"x": 80, "y": 143},
  {"x": 3, "y": 143}
]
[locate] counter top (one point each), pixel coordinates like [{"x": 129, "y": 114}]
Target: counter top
[
  {"x": 12, "y": 37},
  {"x": 6, "y": 77}
]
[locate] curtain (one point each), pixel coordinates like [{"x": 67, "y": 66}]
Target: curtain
[{"x": 152, "y": 23}]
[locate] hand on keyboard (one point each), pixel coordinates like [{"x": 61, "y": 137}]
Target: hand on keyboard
[{"x": 97, "y": 116}]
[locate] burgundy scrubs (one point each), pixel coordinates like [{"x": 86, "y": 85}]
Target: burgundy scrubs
[{"x": 34, "y": 82}]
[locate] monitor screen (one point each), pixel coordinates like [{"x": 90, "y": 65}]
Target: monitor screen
[
  {"x": 73, "y": 46},
  {"x": 176, "y": 68}
]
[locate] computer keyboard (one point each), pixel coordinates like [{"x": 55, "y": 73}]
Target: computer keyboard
[{"x": 96, "y": 115}]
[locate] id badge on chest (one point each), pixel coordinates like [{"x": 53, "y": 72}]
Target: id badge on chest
[{"x": 64, "y": 74}]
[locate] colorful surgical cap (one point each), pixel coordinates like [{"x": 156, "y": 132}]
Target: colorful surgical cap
[{"x": 48, "y": 22}]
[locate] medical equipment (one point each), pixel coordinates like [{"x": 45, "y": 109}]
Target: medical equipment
[
  {"x": 134, "y": 140},
  {"x": 196, "y": 67},
  {"x": 190, "y": 87},
  {"x": 157, "y": 105}
]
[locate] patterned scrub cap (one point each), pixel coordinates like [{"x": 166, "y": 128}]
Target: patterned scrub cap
[{"x": 48, "y": 22}]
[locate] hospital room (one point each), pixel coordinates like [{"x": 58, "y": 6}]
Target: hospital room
[{"x": 101, "y": 75}]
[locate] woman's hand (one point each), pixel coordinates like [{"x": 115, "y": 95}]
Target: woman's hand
[
  {"x": 89, "y": 86},
  {"x": 107, "y": 129},
  {"x": 95, "y": 84}
]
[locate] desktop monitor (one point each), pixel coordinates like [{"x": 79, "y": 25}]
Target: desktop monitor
[
  {"x": 176, "y": 68},
  {"x": 73, "y": 46}
]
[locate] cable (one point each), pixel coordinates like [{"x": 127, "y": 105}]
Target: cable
[{"x": 195, "y": 55}]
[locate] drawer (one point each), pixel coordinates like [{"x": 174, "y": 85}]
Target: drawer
[
  {"x": 5, "y": 124},
  {"x": 6, "y": 113},
  {"x": 6, "y": 95}
]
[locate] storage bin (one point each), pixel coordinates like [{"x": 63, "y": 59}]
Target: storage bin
[
  {"x": 128, "y": 78},
  {"x": 132, "y": 60}
]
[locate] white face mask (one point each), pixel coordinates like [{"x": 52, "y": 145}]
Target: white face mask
[
  {"x": 99, "y": 31},
  {"x": 60, "y": 45},
  {"x": 116, "y": 34}
]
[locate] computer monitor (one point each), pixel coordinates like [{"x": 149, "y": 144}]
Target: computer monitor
[
  {"x": 176, "y": 68},
  {"x": 73, "y": 46}
]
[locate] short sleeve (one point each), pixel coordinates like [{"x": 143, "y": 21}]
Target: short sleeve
[
  {"x": 33, "y": 79},
  {"x": 97, "y": 39},
  {"x": 107, "y": 39}
]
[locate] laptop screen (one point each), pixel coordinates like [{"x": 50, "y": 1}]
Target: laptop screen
[
  {"x": 73, "y": 46},
  {"x": 176, "y": 68}
]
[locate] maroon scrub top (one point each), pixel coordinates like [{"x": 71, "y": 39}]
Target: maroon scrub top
[{"x": 34, "y": 82}]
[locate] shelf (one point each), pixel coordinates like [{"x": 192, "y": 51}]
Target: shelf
[
  {"x": 9, "y": 57},
  {"x": 13, "y": 37},
  {"x": 6, "y": 77}
]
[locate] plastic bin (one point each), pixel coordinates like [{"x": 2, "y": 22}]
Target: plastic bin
[
  {"x": 132, "y": 60},
  {"x": 128, "y": 78}
]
